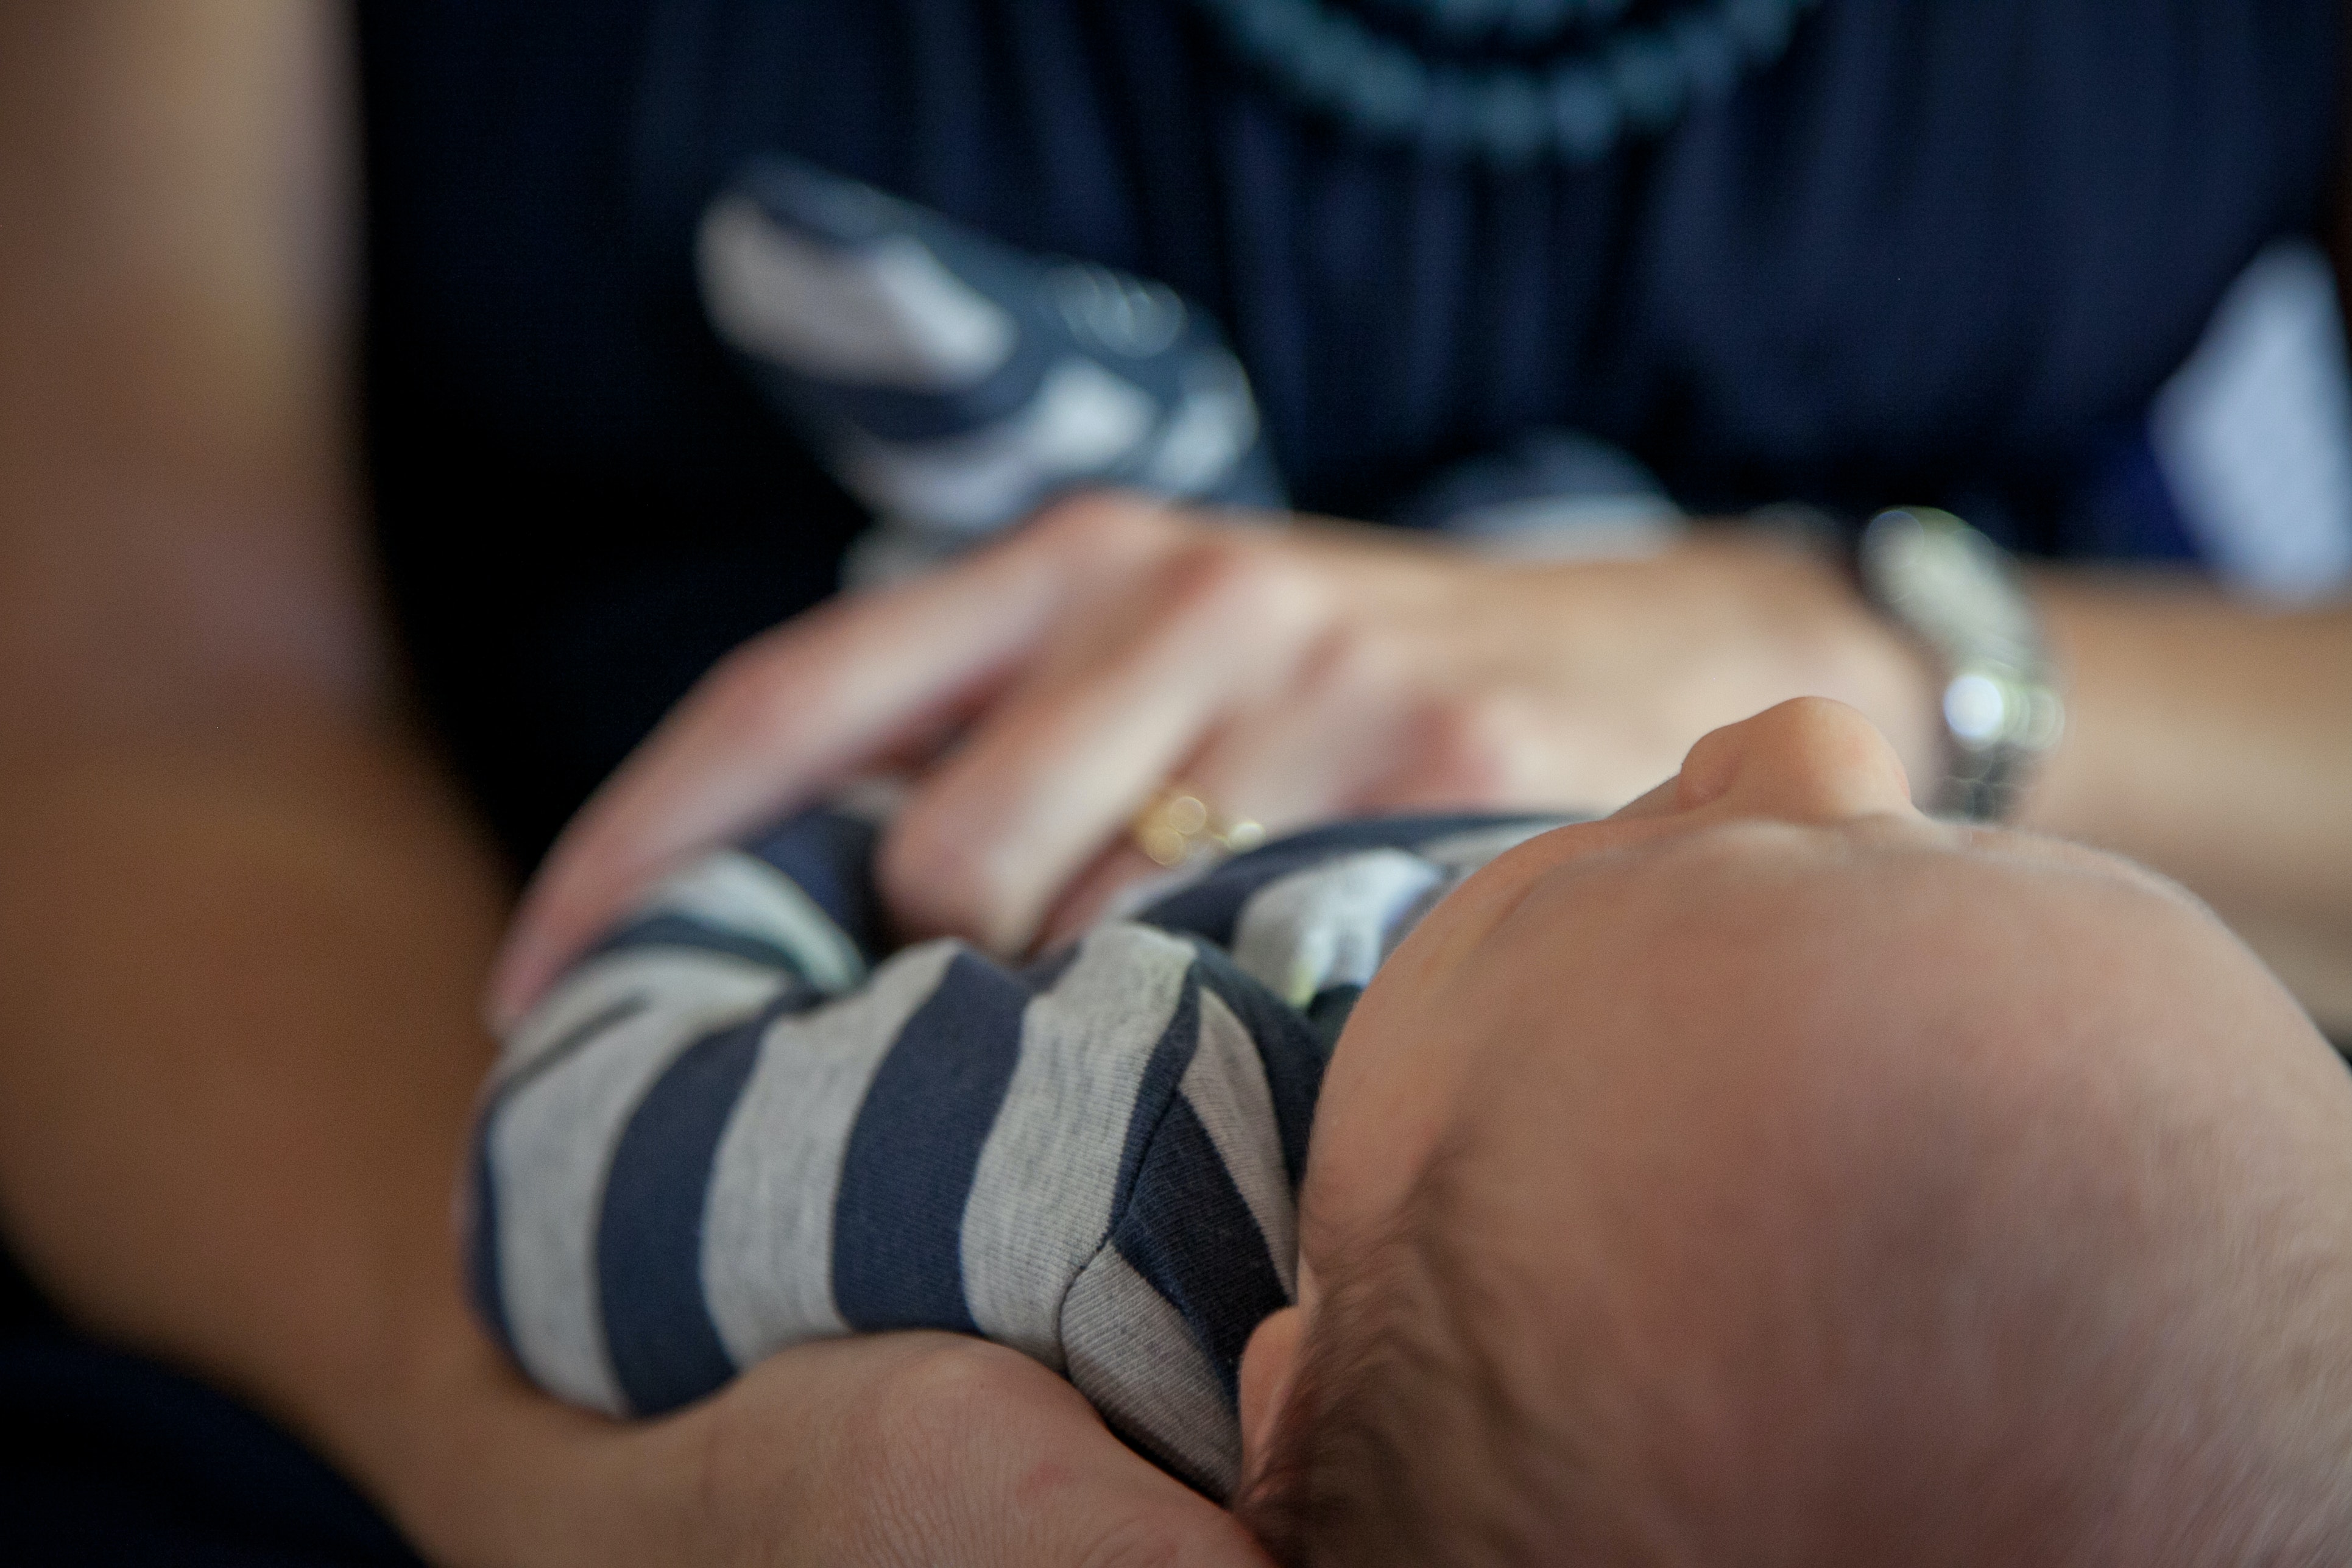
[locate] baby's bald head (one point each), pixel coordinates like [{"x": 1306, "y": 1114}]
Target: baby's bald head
[{"x": 1837, "y": 1191}]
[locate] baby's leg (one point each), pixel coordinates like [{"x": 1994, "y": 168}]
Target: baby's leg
[{"x": 956, "y": 385}]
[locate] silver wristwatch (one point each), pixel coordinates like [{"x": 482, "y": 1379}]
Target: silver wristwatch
[{"x": 1960, "y": 598}]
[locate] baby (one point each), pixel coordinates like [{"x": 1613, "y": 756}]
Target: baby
[
  {"x": 956, "y": 385},
  {"x": 729, "y": 1129},
  {"x": 1764, "y": 1173}
]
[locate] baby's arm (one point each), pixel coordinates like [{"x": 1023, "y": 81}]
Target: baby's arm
[
  {"x": 598, "y": 1140},
  {"x": 722, "y": 1132}
]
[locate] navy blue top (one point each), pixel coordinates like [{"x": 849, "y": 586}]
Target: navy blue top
[{"x": 1944, "y": 251}]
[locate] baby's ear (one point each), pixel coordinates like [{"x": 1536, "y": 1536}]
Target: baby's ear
[{"x": 1268, "y": 1361}]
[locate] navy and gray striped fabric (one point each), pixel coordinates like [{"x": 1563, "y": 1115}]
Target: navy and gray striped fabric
[{"x": 730, "y": 1128}]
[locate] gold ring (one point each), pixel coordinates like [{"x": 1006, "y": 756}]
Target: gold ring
[{"x": 1179, "y": 825}]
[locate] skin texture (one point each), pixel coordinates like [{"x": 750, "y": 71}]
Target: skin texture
[
  {"x": 236, "y": 1151},
  {"x": 1295, "y": 675},
  {"x": 1768, "y": 1067},
  {"x": 244, "y": 923}
]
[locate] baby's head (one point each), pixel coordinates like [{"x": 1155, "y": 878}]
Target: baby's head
[{"x": 1770, "y": 1175}]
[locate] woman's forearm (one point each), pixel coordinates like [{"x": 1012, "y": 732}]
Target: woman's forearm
[
  {"x": 241, "y": 922},
  {"x": 237, "y": 1050},
  {"x": 243, "y": 925},
  {"x": 2213, "y": 740}
]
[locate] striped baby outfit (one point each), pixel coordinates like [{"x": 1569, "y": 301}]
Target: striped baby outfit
[{"x": 730, "y": 1127}]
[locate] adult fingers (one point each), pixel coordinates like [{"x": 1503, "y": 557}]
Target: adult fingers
[
  {"x": 932, "y": 1450},
  {"x": 811, "y": 704},
  {"x": 1056, "y": 768},
  {"x": 1317, "y": 752},
  {"x": 791, "y": 712}
]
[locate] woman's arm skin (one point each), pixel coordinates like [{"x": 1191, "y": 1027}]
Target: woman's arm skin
[
  {"x": 244, "y": 923},
  {"x": 1305, "y": 673},
  {"x": 237, "y": 911},
  {"x": 2212, "y": 740}
]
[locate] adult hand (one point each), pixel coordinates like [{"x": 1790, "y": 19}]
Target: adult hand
[
  {"x": 899, "y": 1451},
  {"x": 1287, "y": 674},
  {"x": 890, "y": 1451}
]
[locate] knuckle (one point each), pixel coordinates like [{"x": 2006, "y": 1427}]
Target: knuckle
[
  {"x": 1355, "y": 660},
  {"x": 902, "y": 1453},
  {"x": 1207, "y": 574},
  {"x": 1095, "y": 522},
  {"x": 899, "y": 1462},
  {"x": 940, "y": 876},
  {"x": 1157, "y": 1538},
  {"x": 1230, "y": 581},
  {"x": 915, "y": 1417},
  {"x": 946, "y": 1385},
  {"x": 1468, "y": 744},
  {"x": 1136, "y": 1543}
]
